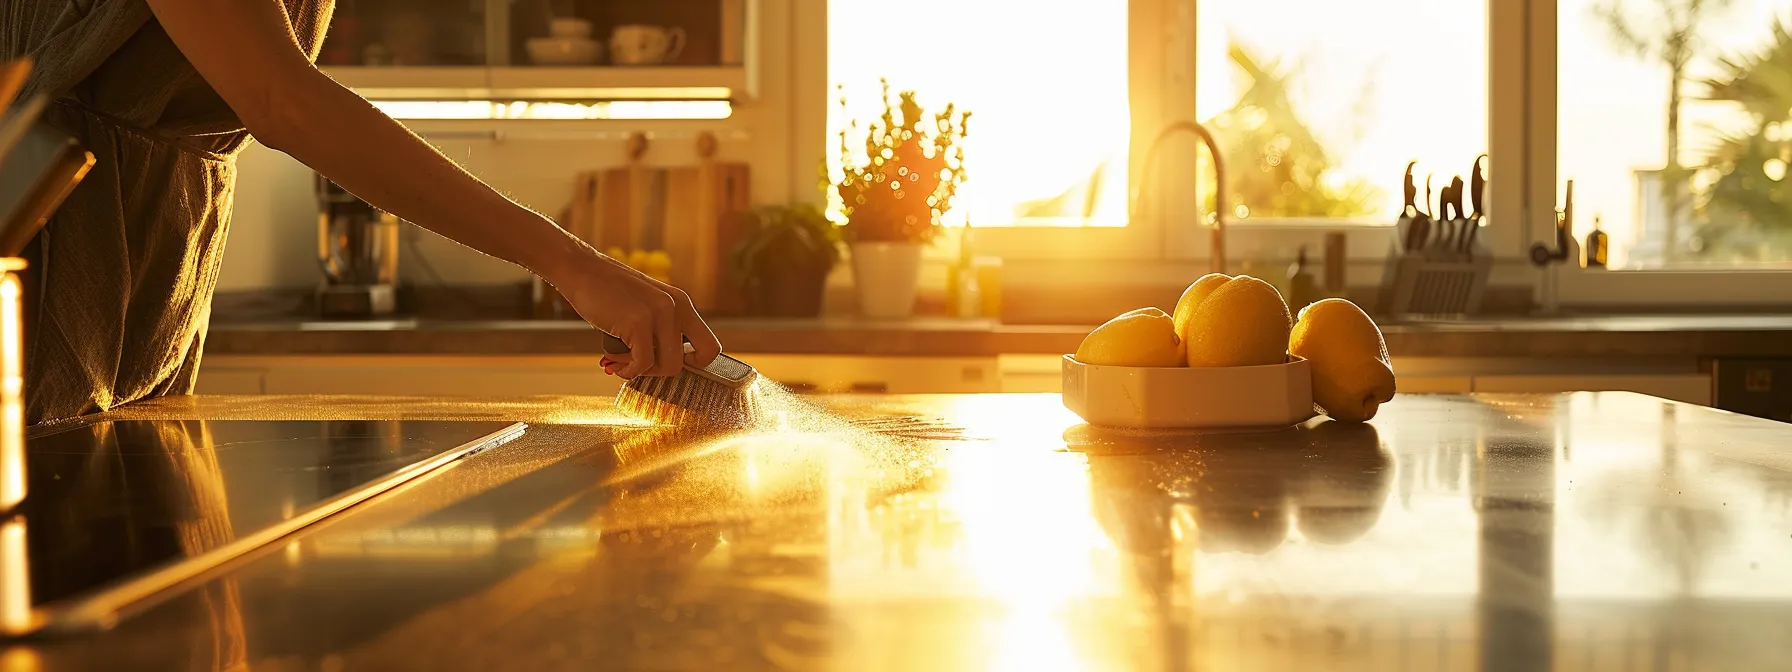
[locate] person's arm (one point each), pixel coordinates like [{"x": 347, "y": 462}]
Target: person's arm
[{"x": 246, "y": 51}]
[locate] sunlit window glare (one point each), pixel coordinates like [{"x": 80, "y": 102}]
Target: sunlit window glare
[
  {"x": 1319, "y": 119},
  {"x": 1733, "y": 143},
  {"x": 1048, "y": 93}
]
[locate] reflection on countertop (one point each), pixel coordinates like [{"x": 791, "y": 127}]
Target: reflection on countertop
[{"x": 1584, "y": 531}]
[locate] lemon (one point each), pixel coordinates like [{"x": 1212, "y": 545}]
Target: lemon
[
  {"x": 1242, "y": 322},
  {"x": 1143, "y": 337},
  {"x": 657, "y": 265},
  {"x": 1193, "y": 296},
  {"x": 1351, "y": 373}
]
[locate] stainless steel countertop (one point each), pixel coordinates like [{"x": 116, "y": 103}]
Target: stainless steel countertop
[
  {"x": 1583, "y": 531},
  {"x": 1568, "y": 336}
]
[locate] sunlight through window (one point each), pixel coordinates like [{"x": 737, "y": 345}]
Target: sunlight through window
[{"x": 1046, "y": 83}]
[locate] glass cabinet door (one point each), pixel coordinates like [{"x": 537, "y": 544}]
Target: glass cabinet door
[
  {"x": 407, "y": 33},
  {"x": 626, "y": 32},
  {"x": 557, "y": 33}
]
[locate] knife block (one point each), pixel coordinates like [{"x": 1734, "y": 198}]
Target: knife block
[{"x": 1421, "y": 286}]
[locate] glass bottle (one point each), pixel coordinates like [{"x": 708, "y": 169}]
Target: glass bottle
[{"x": 1598, "y": 247}]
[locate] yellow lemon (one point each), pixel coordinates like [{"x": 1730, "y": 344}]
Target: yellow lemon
[
  {"x": 1143, "y": 337},
  {"x": 1351, "y": 373},
  {"x": 657, "y": 265},
  {"x": 1197, "y": 292},
  {"x": 1242, "y": 322}
]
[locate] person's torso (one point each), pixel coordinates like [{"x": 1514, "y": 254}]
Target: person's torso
[{"x": 112, "y": 57}]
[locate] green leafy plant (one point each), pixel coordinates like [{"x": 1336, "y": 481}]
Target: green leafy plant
[
  {"x": 1748, "y": 202},
  {"x": 794, "y": 239},
  {"x": 908, "y": 175},
  {"x": 1669, "y": 33}
]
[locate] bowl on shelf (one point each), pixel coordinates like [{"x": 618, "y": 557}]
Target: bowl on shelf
[
  {"x": 569, "y": 27},
  {"x": 563, "y": 50},
  {"x": 1274, "y": 396}
]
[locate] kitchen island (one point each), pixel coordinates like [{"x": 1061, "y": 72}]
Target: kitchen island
[
  {"x": 1523, "y": 532},
  {"x": 1585, "y": 336}
]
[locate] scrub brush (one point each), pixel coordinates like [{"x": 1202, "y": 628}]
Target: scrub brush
[{"x": 724, "y": 394}]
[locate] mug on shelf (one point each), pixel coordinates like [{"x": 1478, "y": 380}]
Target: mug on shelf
[{"x": 645, "y": 45}]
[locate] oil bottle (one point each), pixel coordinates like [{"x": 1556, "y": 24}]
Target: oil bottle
[{"x": 1598, "y": 247}]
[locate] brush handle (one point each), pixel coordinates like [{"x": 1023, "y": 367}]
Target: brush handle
[
  {"x": 615, "y": 346},
  {"x": 612, "y": 344}
]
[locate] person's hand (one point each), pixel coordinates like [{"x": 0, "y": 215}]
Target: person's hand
[{"x": 651, "y": 317}]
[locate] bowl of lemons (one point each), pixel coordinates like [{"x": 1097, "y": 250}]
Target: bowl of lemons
[{"x": 1230, "y": 356}]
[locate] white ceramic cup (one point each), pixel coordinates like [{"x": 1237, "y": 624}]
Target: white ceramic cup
[
  {"x": 569, "y": 28},
  {"x": 645, "y": 45}
]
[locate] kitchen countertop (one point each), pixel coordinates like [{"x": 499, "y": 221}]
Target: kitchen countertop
[
  {"x": 995, "y": 532},
  {"x": 1574, "y": 336}
]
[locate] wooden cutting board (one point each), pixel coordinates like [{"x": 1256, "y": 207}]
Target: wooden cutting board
[
  {"x": 719, "y": 197},
  {"x": 693, "y": 214},
  {"x": 684, "y": 232},
  {"x": 732, "y": 189}
]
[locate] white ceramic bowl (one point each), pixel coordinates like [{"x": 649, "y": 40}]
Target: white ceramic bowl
[
  {"x": 1270, "y": 397},
  {"x": 569, "y": 28},
  {"x": 562, "y": 51}
]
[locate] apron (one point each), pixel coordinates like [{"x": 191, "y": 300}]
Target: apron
[{"x": 120, "y": 282}]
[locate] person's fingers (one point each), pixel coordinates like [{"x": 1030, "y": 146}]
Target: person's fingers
[
  {"x": 669, "y": 357},
  {"x": 704, "y": 345},
  {"x": 640, "y": 340}
]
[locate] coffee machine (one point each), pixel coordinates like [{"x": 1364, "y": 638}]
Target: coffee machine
[{"x": 357, "y": 248}]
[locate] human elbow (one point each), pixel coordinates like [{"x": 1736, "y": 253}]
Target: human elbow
[{"x": 275, "y": 117}]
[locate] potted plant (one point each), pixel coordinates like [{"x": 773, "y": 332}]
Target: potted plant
[
  {"x": 893, "y": 195},
  {"x": 782, "y": 263}
]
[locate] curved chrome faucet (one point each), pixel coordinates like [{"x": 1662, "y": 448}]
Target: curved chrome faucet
[{"x": 1218, "y": 261}]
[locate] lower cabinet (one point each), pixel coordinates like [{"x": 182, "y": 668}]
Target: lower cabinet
[{"x": 1692, "y": 388}]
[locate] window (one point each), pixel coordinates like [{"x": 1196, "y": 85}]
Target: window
[
  {"x": 1731, "y": 205},
  {"x": 1315, "y": 121},
  {"x": 1319, "y": 105},
  {"x": 1046, "y": 82}
]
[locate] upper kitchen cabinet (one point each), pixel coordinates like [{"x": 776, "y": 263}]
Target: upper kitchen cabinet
[
  {"x": 541, "y": 49},
  {"x": 408, "y": 34}
]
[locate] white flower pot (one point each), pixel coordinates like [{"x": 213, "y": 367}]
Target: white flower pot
[{"x": 886, "y": 276}]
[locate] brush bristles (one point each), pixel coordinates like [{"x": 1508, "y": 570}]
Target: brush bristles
[{"x": 689, "y": 398}]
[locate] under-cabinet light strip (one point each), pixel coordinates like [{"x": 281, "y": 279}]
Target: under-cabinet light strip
[{"x": 602, "y": 109}]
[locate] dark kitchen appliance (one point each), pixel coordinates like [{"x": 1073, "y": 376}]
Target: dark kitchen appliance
[
  {"x": 37, "y": 172},
  {"x": 120, "y": 514},
  {"x": 1757, "y": 387},
  {"x": 357, "y": 248}
]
